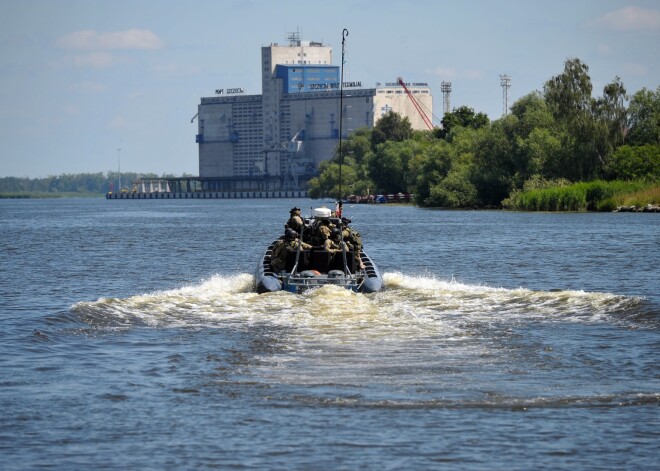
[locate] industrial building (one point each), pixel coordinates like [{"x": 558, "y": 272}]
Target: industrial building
[
  {"x": 271, "y": 144},
  {"x": 276, "y": 140}
]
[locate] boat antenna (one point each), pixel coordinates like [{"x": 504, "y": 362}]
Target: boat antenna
[{"x": 344, "y": 33}]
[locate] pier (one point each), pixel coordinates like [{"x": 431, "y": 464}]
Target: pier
[{"x": 136, "y": 195}]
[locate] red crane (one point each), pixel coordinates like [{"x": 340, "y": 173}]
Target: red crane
[{"x": 421, "y": 112}]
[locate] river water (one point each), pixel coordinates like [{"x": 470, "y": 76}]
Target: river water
[{"x": 131, "y": 338}]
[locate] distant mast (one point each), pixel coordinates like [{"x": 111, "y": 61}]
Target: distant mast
[
  {"x": 119, "y": 168},
  {"x": 344, "y": 33}
]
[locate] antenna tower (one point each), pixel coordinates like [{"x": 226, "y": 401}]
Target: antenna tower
[
  {"x": 446, "y": 90},
  {"x": 293, "y": 38},
  {"x": 344, "y": 33},
  {"x": 505, "y": 82}
]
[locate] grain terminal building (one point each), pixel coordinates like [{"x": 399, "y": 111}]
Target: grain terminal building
[{"x": 256, "y": 145}]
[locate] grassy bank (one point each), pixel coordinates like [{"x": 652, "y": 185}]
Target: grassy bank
[{"x": 586, "y": 196}]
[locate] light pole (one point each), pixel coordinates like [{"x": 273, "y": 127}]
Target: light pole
[
  {"x": 445, "y": 88},
  {"x": 505, "y": 82}
]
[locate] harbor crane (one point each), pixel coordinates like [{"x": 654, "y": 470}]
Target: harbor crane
[{"x": 418, "y": 106}]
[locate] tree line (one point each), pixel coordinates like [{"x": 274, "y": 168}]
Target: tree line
[
  {"x": 84, "y": 183},
  {"x": 551, "y": 137}
]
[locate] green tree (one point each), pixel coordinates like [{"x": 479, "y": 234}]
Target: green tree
[
  {"x": 463, "y": 116},
  {"x": 455, "y": 190},
  {"x": 426, "y": 168},
  {"x": 355, "y": 173},
  {"x": 644, "y": 118},
  {"x": 388, "y": 167},
  {"x": 357, "y": 146},
  {"x": 536, "y": 153},
  {"x": 447, "y": 181},
  {"x": 390, "y": 127},
  {"x": 568, "y": 96},
  {"x": 494, "y": 165},
  {"x": 327, "y": 182},
  {"x": 536, "y": 143},
  {"x": 632, "y": 163},
  {"x": 611, "y": 109}
]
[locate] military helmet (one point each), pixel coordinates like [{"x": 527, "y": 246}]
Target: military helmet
[
  {"x": 294, "y": 210},
  {"x": 290, "y": 233}
]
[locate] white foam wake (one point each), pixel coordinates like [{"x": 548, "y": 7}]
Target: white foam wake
[{"x": 407, "y": 301}]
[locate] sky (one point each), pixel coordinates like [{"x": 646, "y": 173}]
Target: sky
[{"x": 92, "y": 86}]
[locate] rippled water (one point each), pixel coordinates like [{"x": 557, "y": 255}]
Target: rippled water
[{"x": 132, "y": 338}]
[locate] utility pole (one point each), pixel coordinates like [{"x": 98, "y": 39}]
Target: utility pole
[
  {"x": 446, "y": 90},
  {"x": 505, "y": 82}
]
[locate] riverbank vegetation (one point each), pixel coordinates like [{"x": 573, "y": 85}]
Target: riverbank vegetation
[
  {"x": 559, "y": 149},
  {"x": 596, "y": 195},
  {"x": 68, "y": 185}
]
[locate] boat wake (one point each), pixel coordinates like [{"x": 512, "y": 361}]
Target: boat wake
[
  {"x": 420, "y": 343},
  {"x": 422, "y": 302},
  {"x": 435, "y": 297}
]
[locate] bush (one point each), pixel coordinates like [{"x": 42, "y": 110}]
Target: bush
[
  {"x": 635, "y": 162},
  {"x": 454, "y": 191}
]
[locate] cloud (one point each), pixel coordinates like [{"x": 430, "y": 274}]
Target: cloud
[
  {"x": 175, "y": 70},
  {"x": 444, "y": 72},
  {"x": 95, "y": 60},
  {"x": 473, "y": 74},
  {"x": 87, "y": 87},
  {"x": 71, "y": 109},
  {"x": 634, "y": 69},
  {"x": 90, "y": 40},
  {"x": 118, "y": 122},
  {"x": 630, "y": 19},
  {"x": 450, "y": 73}
]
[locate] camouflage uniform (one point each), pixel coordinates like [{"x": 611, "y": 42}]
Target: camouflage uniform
[
  {"x": 282, "y": 249},
  {"x": 353, "y": 240},
  {"x": 295, "y": 221},
  {"x": 322, "y": 231},
  {"x": 278, "y": 257},
  {"x": 331, "y": 246},
  {"x": 292, "y": 245},
  {"x": 352, "y": 237}
]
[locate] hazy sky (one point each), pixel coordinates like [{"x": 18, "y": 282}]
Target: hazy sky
[{"x": 81, "y": 79}]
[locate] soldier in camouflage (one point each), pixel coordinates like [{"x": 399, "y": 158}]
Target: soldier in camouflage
[
  {"x": 285, "y": 246},
  {"x": 353, "y": 240},
  {"x": 295, "y": 221},
  {"x": 332, "y": 241}
]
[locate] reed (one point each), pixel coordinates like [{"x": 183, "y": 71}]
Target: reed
[
  {"x": 586, "y": 196},
  {"x": 638, "y": 198}
]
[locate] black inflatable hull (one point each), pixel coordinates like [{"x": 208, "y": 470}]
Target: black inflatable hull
[{"x": 368, "y": 280}]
